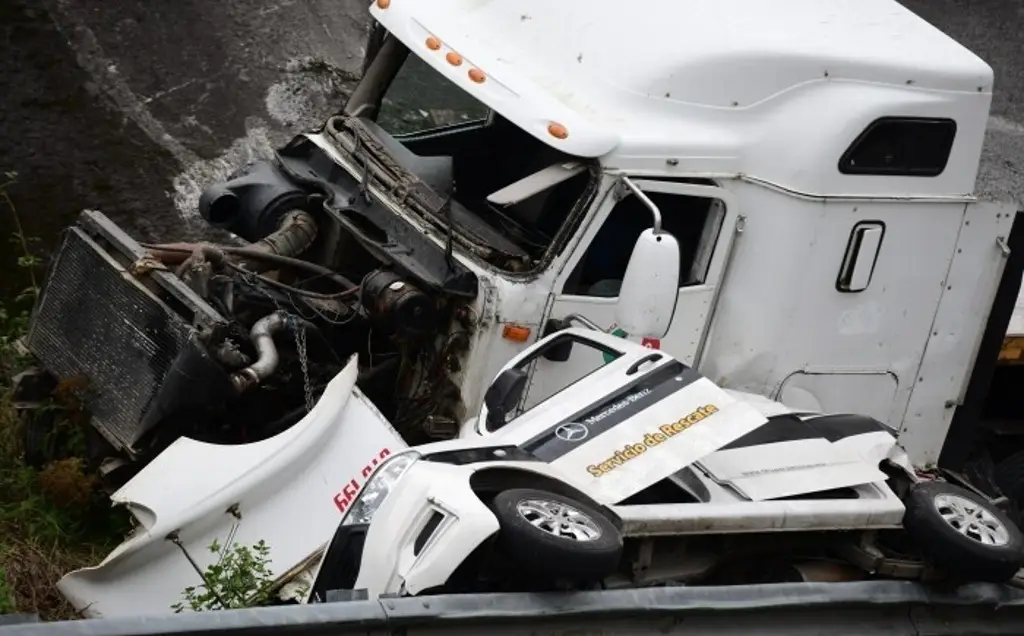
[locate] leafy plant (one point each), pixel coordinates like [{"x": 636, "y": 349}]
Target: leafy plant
[{"x": 241, "y": 577}]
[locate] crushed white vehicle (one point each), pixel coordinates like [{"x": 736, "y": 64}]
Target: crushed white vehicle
[{"x": 646, "y": 473}]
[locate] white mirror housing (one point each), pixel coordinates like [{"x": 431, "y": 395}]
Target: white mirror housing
[{"x": 650, "y": 288}]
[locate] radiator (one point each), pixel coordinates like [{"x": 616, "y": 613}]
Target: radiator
[{"x": 103, "y": 322}]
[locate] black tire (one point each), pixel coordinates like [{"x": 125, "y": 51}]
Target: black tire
[
  {"x": 962, "y": 553},
  {"x": 556, "y": 553}
]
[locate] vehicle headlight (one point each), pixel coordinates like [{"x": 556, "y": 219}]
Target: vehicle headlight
[{"x": 378, "y": 488}]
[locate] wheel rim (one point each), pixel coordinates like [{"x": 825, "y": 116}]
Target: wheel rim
[
  {"x": 558, "y": 519},
  {"x": 972, "y": 520}
]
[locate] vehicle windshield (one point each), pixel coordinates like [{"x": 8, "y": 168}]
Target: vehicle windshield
[
  {"x": 420, "y": 99},
  {"x": 460, "y": 148}
]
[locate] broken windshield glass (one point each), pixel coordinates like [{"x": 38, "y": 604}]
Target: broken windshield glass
[{"x": 421, "y": 99}]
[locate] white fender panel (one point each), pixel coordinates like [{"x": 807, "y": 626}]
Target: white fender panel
[{"x": 286, "y": 490}]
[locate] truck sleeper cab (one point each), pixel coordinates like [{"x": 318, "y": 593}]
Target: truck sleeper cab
[
  {"x": 490, "y": 180},
  {"x": 796, "y": 205}
]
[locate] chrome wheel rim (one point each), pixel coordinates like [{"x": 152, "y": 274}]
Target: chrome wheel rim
[
  {"x": 971, "y": 520},
  {"x": 558, "y": 519}
]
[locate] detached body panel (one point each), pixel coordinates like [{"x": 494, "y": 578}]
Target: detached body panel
[{"x": 286, "y": 491}]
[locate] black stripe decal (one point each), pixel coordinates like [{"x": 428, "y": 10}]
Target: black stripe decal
[
  {"x": 465, "y": 456},
  {"x": 790, "y": 428},
  {"x": 602, "y": 416}
]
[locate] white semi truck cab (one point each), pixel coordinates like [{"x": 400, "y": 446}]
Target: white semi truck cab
[
  {"x": 815, "y": 161},
  {"x": 803, "y": 171}
]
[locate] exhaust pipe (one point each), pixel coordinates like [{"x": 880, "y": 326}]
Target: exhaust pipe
[{"x": 262, "y": 336}]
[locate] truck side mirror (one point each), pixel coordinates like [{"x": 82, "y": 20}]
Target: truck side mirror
[
  {"x": 503, "y": 396},
  {"x": 650, "y": 287}
]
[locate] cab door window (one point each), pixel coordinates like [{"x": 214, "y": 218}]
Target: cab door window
[{"x": 694, "y": 221}]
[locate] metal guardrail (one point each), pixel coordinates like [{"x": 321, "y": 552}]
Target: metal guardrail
[{"x": 880, "y": 608}]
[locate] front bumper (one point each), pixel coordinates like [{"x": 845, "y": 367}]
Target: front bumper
[{"x": 429, "y": 524}]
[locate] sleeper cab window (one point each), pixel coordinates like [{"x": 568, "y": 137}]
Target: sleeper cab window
[{"x": 901, "y": 147}]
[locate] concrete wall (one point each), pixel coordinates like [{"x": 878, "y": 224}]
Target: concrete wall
[{"x": 131, "y": 106}]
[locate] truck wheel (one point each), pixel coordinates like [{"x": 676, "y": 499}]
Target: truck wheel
[
  {"x": 556, "y": 537},
  {"x": 963, "y": 533}
]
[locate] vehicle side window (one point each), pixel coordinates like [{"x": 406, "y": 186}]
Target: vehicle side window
[
  {"x": 694, "y": 222},
  {"x": 583, "y": 361},
  {"x": 901, "y": 146},
  {"x": 585, "y": 358}
]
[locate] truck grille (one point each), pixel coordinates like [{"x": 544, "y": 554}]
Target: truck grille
[{"x": 97, "y": 323}]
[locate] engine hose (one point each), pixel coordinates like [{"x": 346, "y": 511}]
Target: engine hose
[
  {"x": 262, "y": 336},
  {"x": 295, "y": 233},
  {"x": 171, "y": 253}
]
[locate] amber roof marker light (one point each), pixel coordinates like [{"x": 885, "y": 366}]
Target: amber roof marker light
[
  {"x": 477, "y": 75},
  {"x": 383, "y": 4},
  {"x": 433, "y": 43},
  {"x": 558, "y": 131},
  {"x": 453, "y": 58}
]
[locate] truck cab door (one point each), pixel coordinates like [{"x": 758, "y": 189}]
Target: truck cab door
[{"x": 702, "y": 218}]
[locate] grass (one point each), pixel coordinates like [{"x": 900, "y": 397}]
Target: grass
[{"x": 53, "y": 519}]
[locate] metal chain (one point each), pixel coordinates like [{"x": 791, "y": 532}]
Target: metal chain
[{"x": 300, "y": 347}]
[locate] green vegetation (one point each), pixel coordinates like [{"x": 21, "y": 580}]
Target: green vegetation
[
  {"x": 240, "y": 578},
  {"x": 53, "y": 519}
]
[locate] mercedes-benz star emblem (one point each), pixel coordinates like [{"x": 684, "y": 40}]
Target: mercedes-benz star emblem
[{"x": 572, "y": 432}]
